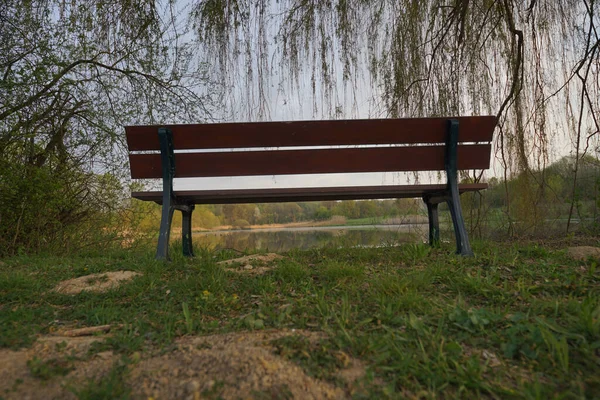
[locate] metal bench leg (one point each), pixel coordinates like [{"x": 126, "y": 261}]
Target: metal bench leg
[
  {"x": 162, "y": 250},
  {"x": 460, "y": 232},
  {"x": 463, "y": 247},
  {"x": 434, "y": 222},
  {"x": 186, "y": 230},
  {"x": 167, "y": 158}
]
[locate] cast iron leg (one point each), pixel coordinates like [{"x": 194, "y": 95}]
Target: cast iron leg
[
  {"x": 434, "y": 223},
  {"x": 463, "y": 247},
  {"x": 162, "y": 250},
  {"x": 460, "y": 232},
  {"x": 186, "y": 230}
]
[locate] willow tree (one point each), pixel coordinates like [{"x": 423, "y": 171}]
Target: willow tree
[
  {"x": 533, "y": 64},
  {"x": 71, "y": 75}
]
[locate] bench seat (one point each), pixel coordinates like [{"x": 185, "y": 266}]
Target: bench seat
[{"x": 239, "y": 196}]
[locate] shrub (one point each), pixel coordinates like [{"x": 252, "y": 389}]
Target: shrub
[{"x": 241, "y": 223}]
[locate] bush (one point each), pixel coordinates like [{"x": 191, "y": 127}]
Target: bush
[
  {"x": 241, "y": 223},
  {"x": 56, "y": 209},
  {"x": 322, "y": 214}
]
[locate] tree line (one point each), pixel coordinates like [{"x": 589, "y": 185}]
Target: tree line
[{"x": 242, "y": 215}]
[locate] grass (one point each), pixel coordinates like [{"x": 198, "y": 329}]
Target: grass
[
  {"x": 46, "y": 369},
  {"x": 519, "y": 320}
]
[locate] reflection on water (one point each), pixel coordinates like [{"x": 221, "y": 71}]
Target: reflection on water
[{"x": 280, "y": 240}]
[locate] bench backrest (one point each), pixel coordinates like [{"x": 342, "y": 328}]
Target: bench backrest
[{"x": 412, "y": 145}]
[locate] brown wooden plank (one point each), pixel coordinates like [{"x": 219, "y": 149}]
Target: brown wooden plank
[
  {"x": 280, "y": 195},
  {"x": 311, "y": 133},
  {"x": 323, "y": 161}
]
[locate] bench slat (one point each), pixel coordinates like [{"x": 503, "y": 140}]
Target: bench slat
[
  {"x": 323, "y": 161},
  {"x": 240, "y": 196},
  {"x": 312, "y": 133}
]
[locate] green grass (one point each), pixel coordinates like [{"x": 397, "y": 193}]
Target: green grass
[
  {"x": 518, "y": 320},
  {"x": 364, "y": 221},
  {"x": 46, "y": 369}
]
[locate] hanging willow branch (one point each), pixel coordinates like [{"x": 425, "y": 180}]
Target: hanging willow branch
[{"x": 532, "y": 64}]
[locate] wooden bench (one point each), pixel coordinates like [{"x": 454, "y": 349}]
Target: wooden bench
[{"x": 271, "y": 148}]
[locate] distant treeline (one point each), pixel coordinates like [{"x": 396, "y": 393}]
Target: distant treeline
[
  {"x": 540, "y": 202},
  {"x": 209, "y": 216}
]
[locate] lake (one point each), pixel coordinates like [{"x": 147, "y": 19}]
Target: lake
[{"x": 285, "y": 239}]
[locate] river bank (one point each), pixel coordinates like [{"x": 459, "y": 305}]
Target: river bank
[{"x": 336, "y": 221}]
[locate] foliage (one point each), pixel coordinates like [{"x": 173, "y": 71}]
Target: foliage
[
  {"x": 72, "y": 74},
  {"x": 57, "y": 209},
  {"x": 553, "y": 191},
  {"x": 46, "y": 369},
  {"x": 241, "y": 223},
  {"x": 322, "y": 214}
]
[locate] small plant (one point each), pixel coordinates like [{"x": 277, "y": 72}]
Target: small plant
[
  {"x": 589, "y": 316},
  {"x": 523, "y": 339},
  {"x": 189, "y": 322},
  {"x": 46, "y": 369},
  {"x": 470, "y": 320},
  {"x": 125, "y": 341},
  {"x": 558, "y": 347},
  {"x": 416, "y": 252},
  {"x": 253, "y": 321}
]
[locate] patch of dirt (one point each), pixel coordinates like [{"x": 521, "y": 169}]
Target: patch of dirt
[
  {"x": 484, "y": 356},
  {"x": 353, "y": 372},
  {"x": 255, "y": 264},
  {"x": 95, "y": 282},
  {"x": 583, "y": 253},
  {"x": 230, "y": 366},
  {"x": 17, "y": 378}
]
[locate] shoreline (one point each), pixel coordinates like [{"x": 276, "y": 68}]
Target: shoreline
[{"x": 319, "y": 225}]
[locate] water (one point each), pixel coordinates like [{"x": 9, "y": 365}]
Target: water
[{"x": 285, "y": 239}]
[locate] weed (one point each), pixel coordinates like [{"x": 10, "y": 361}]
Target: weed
[
  {"x": 558, "y": 347},
  {"x": 416, "y": 252},
  {"x": 189, "y": 322},
  {"x": 46, "y": 369}
]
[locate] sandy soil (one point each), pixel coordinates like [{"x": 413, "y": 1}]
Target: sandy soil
[
  {"x": 583, "y": 253},
  {"x": 231, "y": 366},
  {"x": 255, "y": 264},
  {"x": 95, "y": 282}
]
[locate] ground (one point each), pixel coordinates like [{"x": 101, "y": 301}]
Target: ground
[
  {"x": 234, "y": 365},
  {"x": 518, "y": 320}
]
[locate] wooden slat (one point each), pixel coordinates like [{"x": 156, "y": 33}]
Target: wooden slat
[
  {"x": 311, "y": 133},
  {"x": 288, "y": 162},
  {"x": 239, "y": 196}
]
